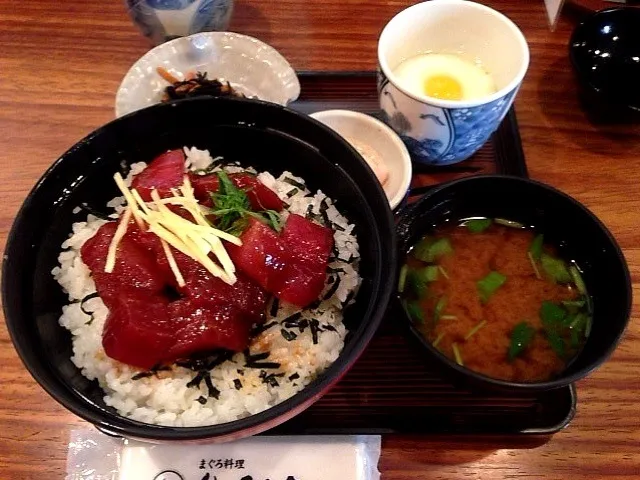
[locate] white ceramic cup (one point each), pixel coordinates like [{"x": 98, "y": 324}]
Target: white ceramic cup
[{"x": 441, "y": 132}]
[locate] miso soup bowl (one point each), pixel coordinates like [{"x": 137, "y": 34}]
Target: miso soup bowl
[{"x": 567, "y": 224}]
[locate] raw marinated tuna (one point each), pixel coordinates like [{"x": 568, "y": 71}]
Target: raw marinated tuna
[
  {"x": 135, "y": 271},
  {"x": 138, "y": 331},
  {"x": 261, "y": 257},
  {"x": 206, "y": 328},
  {"x": 164, "y": 173},
  {"x": 292, "y": 265}
]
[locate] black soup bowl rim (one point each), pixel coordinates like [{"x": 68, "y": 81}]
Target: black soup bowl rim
[
  {"x": 112, "y": 422},
  {"x": 404, "y": 221}
]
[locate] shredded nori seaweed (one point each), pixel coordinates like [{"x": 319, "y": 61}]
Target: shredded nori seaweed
[
  {"x": 299, "y": 324},
  {"x": 253, "y": 361},
  {"x": 201, "y": 400},
  {"x": 335, "y": 270},
  {"x": 213, "y": 391},
  {"x": 335, "y": 226},
  {"x": 82, "y": 302},
  {"x": 287, "y": 335},
  {"x": 292, "y": 192},
  {"x": 315, "y": 329},
  {"x": 275, "y": 305},
  {"x": 140, "y": 375},
  {"x": 212, "y": 166},
  {"x": 198, "y": 86},
  {"x": 315, "y": 304},
  {"x": 206, "y": 363},
  {"x": 333, "y": 289},
  {"x": 237, "y": 383},
  {"x": 293, "y": 377},
  {"x": 331, "y": 328},
  {"x": 294, "y": 183},
  {"x": 309, "y": 211},
  {"x": 96, "y": 213},
  {"x": 270, "y": 379},
  {"x": 258, "y": 329}
]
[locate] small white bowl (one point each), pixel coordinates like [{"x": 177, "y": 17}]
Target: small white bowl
[
  {"x": 366, "y": 130},
  {"x": 251, "y": 66}
]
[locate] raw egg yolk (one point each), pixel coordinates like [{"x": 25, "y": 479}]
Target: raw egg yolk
[{"x": 443, "y": 87}]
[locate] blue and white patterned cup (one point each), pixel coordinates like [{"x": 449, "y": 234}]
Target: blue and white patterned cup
[
  {"x": 164, "y": 20},
  {"x": 442, "y": 132}
]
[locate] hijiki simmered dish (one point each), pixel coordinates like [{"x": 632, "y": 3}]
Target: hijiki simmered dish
[
  {"x": 211, "y": 293},
  {"x": 494, "y": 297}
]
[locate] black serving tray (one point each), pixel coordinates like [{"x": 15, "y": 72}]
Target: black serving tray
[{"x": 391, "y": 388}]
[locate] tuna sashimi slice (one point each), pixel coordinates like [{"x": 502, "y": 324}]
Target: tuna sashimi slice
[
  {"x": 303, "y": 284},
  {"x": 134, "y": 271},
  {"x": 307, "y": 242},
  {"x": 163, "y": 173},
  {"x": 261, "y": 257},
  {"x": 138, "y": 331},
  {"x": 201, "y": 329}
]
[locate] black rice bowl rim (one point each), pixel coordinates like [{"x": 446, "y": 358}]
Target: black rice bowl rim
[{"x": 112, "y": 422}]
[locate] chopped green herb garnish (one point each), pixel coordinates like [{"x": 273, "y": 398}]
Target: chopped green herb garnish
[
  {"x": 508, "y": 223},
  {"x": 578, "y": 322},
  {"x": 232, "y": 208},
  {"x": 551, "y": 314},
  {"x": 577, "y": 279},
  {"x": 556, "y": 342},
  {"x": 478, "y": 225},
  {"x": 521, "y": 338},
  {"x": 438, "y": 339},
  {"x": 437, "y": 311},
  {"x": 415, "y": 312},
  {"x": 475, "y": 329},
  {"x": 555, "y": 268},
  {"x": 489, "y": 284},
  {"x": 429, "y": 250},
  {"x": 536, "y": 246},
  {"x": 456, "y": 354},
  {"x": 402, "y": 280}
]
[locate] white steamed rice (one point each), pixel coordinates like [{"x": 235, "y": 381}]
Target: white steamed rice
[{"x": 164, "y": 397}]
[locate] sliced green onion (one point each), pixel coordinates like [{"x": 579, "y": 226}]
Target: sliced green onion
[
  {"x": 437, "y": 311},
  {"x": 521, "y": 337},
  {"x": 556, "y": 343},
  {"x": 533, "y": 264},
  {"x": 478, "y": 225},
  {"x": 430, "y": 273},
  {"x": 475, "y": 329},
  {"x": 573, "y": 303},
  {"x": 508, "y": 223},
  {"x": 415, "y": 312},
  {"x": 587, "y": 327},
  {"x": 437, "y": 340},
  {"x": 429, "y": 249},
  {"x": 577, "y": 320},
  {"x": 555, "y": 268},
  {"x": 551, "y": 314},
  {"x": 448, "y": 317},
  {"x": 456, "y": 353},
  {"x": 403, "y": 278},
  {"x": 577, "y": 279},
  {"x": 536, "y": 246},
  {"x": 443, "y": 272},
  {"x": 489, "y": 284}
]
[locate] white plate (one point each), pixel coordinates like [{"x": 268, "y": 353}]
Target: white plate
[
  {"x": 369, "y": 131},
  {"x": 251, "y": 66}
]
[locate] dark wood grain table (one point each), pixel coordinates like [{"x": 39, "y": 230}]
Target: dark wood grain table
[{"x": 60, "y": 66}]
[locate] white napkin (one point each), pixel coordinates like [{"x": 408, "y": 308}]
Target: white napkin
[{"x": 91, "y": 457}]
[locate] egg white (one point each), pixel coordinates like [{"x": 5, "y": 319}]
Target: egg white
[{"x": 475, "y": 82}]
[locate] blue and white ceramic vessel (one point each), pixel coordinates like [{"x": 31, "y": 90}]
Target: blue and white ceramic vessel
[
  {"x": 436, "y": 135},
  {"x": 163, "y": 20},
  {"x": 442, "y": 132}
]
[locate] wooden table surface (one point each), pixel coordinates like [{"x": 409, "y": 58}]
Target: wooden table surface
[{"x": 60, "y": 66}]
